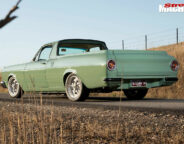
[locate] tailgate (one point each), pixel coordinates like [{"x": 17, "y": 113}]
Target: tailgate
[{"x": 142, "y": 63}]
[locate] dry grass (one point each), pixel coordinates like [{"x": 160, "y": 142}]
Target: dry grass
[{"x": 27, "y": 123}]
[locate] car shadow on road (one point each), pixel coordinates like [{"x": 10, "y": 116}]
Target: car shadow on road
[
  {"x": 100, "y": 99},
  {"x": 116, "y": 99}
]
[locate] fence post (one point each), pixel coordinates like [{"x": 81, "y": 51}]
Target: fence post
[
  {"x": 123, "y": 46},
  {"x": 146, "y": 42},
  {"x": 177, "y": 41}
]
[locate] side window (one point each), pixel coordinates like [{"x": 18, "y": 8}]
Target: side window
[
  {"x": 45, "y": 53},
  {"x": 68, "y": 50},
  {"x": 94, "y": 49}
]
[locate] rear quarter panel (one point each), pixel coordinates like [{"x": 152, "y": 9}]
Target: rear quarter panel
[{"x": 89, "y": 67}]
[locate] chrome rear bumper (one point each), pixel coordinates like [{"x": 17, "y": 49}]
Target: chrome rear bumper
[{"x": 3, "y": 84}]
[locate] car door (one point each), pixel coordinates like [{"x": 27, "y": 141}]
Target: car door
[{"x": 36, "y": 70}]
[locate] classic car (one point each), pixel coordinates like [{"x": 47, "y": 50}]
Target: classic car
[{"x": 80, "y": 66}]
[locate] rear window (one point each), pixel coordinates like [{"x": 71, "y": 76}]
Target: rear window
[
  {"x": 69, "y": 50},
  {"x": 77, "y": 48}
]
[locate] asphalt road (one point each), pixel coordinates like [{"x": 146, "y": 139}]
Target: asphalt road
[{"x": 147, "y": 104}]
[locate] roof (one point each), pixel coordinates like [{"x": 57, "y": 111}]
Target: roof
[{"x": 83, "y": 41}]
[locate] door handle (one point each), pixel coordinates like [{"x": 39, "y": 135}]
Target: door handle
[{"x": 44, "y": 63}]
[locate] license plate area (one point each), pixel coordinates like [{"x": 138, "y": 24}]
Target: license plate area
[{"x": 138, "y": 83}]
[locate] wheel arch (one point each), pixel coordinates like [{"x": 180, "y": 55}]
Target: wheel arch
[
  {"x": 68, "y": 72},
  {"x": 65, "y": 77}
]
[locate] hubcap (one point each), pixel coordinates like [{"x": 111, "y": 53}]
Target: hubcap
[
  {"x": 74, "y": 87},
  {"x": 13, "y": 87}
]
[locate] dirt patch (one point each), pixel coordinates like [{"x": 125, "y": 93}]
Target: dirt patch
[{"x": 34, "y": 123}]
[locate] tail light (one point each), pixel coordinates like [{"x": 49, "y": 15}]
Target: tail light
[
  {"x": 174, "y": 65},
  {"x": 111, "y": 65}
]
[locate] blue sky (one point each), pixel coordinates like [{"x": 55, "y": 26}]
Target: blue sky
[{"x": 42, "y": 21}]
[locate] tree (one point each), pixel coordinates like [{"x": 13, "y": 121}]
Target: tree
[{"x": 8, "y": 17}]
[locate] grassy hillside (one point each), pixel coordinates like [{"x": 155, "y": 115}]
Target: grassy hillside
[{"x": 175, "y": 91}]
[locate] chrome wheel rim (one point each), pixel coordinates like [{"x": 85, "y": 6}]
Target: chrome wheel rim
[
  {"x": 74, "y": 87},
  {"x": 13, "y": 87}
]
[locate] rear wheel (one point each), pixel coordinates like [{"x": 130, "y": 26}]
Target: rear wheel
[
  {"x": 135, "y": 94},
  {"x": 14, "y": 89},
  {"x": 75, "y": 89}
]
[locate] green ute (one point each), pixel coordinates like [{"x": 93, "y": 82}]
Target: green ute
[{"x": 77, "y": 67}]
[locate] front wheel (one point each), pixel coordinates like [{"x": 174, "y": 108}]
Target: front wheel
[
  {"x": 14, "y": 89},
  {"x": 75, "y": 89},
  {"x": 135, "y": 94}
]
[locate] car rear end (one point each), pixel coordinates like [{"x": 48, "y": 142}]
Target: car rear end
[{"x": 140, "y": 69}]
